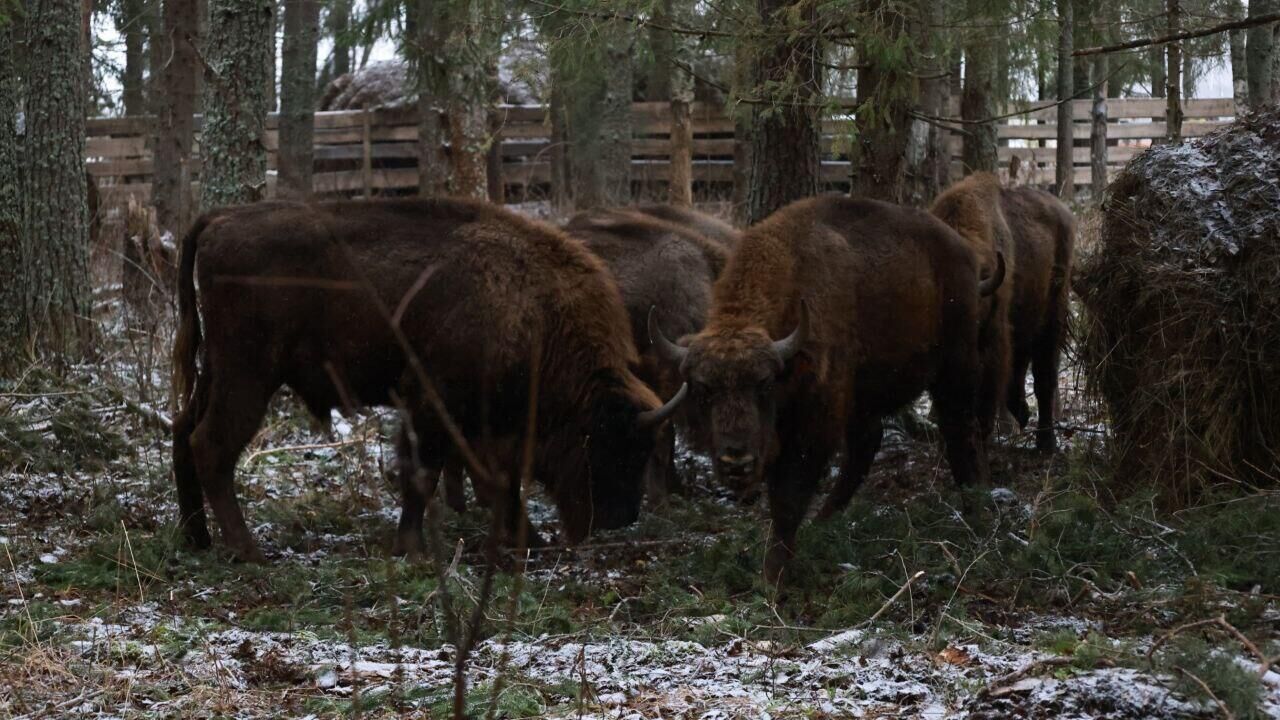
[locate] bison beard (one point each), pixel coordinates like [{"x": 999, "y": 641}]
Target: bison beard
[
  {"x": 881, "y": 303},
  {"x": 299, "y": 295}
]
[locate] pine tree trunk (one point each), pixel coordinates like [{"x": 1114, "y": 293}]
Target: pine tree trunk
[
  {"x": 1158, "y": 65},
  {"x": 235, "y": 103},
  {"x": 432, "y": 82},
  {"x": 132, "y": 25},
  {"x": 1064, "y": 180},
  {"x": 976, "y": 103},
  {"x": 1098, "y": 134},
  {"x": 56, "y": 216},
  {"x": 13, "y": 318},
  {"x": 744, "y": 83},
  {"x": 883, "y": 115},
  {"x": 154, "y": 29},
  {"x": 1239, "y": 72},
  {"x": 681, "y": 187},
  {"x": 785, "y": 161},
  {"x": 469, "y": 98},
  {"x": 339, "y": 24},
  {"x": 1258, "y": 53},
  {"x": 273, "y": 35},
  {"x": 297, "y": 97},
  {"x": 175, "y": 124},
  {"x": 615, "y": 123},
  {"x": 561, "y": 196},
  {"x": 928, "y": 154},
  {"x": 1173, "y": 108},
  {"x": 662, "y": 45}
]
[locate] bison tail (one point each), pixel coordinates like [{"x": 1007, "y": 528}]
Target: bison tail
[
  {"x": 187, "y": 342},
  {"x": 991, "y": 284}
]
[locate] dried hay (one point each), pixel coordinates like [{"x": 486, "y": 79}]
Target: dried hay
[{"x": 1182, "y": 322}]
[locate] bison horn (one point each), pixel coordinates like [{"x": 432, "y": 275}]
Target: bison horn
[
  {"x": 652, "y": 418},
  {"x": 667, "y": 349},
  {"x": 991, "y": 284},
  {"x": 788, "y": 346}
]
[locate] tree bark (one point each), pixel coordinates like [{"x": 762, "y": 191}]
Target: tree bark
[
  {"x": 469, "y": 99},
  {"x": 1064, "y": 180},
  {"x": 977, "y": 102},
  {"x": 600, "y": 121},
  {"x": 928, "y": 154},
  {"x": 175, "y": 107},
  {"x": 273, "y": 33},
  {"x": 561, "y": 195},
  {"x": 1098, "y": 133},
  {"x": 1156, "y": 58},
  {"x": 744, "y": 82},
  {"x": 1259, "y": 48},
  {"x": 1173, "y": 91},
  {"x": 297, "y": 97},
  {"x": 56, "y": 216},
  {"x": 681, "y": 183},
  {"x": 235, "y": 103},
  {"x": 662, "y": 44},
  {"x": 339, "y": 25},
  {"x": 432, "y": 80},
  {"x": 13, "y": 318},
  {"x": 1239, "y": 71},
  {"x": 785, "y": 161},
  {"x": 884, "y": 113},
  {"x": 131, "y": 23}
]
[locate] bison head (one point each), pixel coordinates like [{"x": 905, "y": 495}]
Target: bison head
[
  {"x": 601, "y": 475},
  {"x": 732, "y": 372}
]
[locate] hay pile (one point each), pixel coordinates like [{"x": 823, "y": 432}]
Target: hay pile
[{"x": 1182, "y": 299}]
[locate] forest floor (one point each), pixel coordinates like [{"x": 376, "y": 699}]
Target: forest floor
[{"x": 1045, "y": 602}]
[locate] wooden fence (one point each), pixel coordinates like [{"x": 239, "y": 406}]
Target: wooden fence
[{"x": 375, "y": 151}]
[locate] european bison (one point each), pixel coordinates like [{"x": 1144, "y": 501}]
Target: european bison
[
  {"x": 340, "y": 300},
  {"x": 661, "y": 259},
  {"x": 1044, "y": 243},
  {"x": 705, "y": 225},
  {"x": 877, "y": 303},
  {"x": 972, "y": 208}
]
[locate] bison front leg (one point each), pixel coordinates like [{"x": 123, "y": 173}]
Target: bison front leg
[
  {"x": 191, "y": 517},
  {"x": 791, "y": 482},
  {"x": 661, "y": 478},
  {"x": 861, "y": 446}
]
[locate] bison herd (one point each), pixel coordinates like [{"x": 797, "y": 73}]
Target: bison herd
[{"x": 512, "y": 349}]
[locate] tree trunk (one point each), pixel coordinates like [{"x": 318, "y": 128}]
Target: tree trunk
[
  {"x": 339, "y": 25},
  {"x": 1098, "y": 134},
  {"x": 662, "y": 45},
  {"x": 432, "y": 80},
  {"x": 469, "y": 98},
  {"x": 883, "y": 115},
  {"x": 154, "y": 29},
  {"x": 13, "y": 319},
  {"x": 977, "y": 102},
  {"x": 1275, "y": 64},
  {"x": 273, "y": 32},
  {"x": 615, "y": 123},
  {"x": 681, "y": 185},
  {"x": 131, "y": 23},
  {"x": 1156, "y": 58},
  {"x": 1173, "y": 108},
  {"x": 1064, "y": 180},
  {"x": 744, "y": 83},
  {"x": 1258, "y": 54},
  {"x": 1239, "y": 73},
  {"x": 235, "y": 103},
  {"x": 928, "y": 154},
  {"x": 785, "y": 161},
  {"x": 175, "y": 126},
  {"x": 561, "y": 196},
  {"x": 297, "y": 97},
  {"x": 56, "y": 216}
]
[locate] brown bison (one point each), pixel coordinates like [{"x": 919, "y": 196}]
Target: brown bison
[
  {"x": 972, "y": 208},
  {"x": 661, "y": 260},
  {"x": 710, "y": 227},
  {"x": 874, "y": 303},
  {"x": 356, "y": 303},
  {"x": 1044, "y": 242}
]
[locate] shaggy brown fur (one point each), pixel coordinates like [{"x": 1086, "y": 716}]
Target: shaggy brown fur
[
  {"x": 299, "y": 294},
  {"x": 972, "y": 207},
  {"x": 664, "y": 265},
  {"x": 705, "y": 225},
  {"x": 884, "y": 303},
  {"x": 1044, "y": 245}
]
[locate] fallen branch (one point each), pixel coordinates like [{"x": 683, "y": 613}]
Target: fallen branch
[
  {"x": 296, "y": 448},
  {"x": 905, "y": 586},
  {"x": 1226, "y": 711},
  {"x": 1000, "y": 686},
  {"x": 1232, "y": 630}
]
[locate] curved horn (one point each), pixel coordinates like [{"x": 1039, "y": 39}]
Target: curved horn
[
  {"x": 788, "y": 346},
  {"x": 652, "y": 418},
  {"x": 666, "y": 349},
  {"x": 991, "y": 284}
]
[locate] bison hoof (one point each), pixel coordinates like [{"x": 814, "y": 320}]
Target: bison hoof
[
  {"x": 197, "y": 537},
  {"x": 407, "y": 545},
  {"x": 1046, "y": 443}
]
